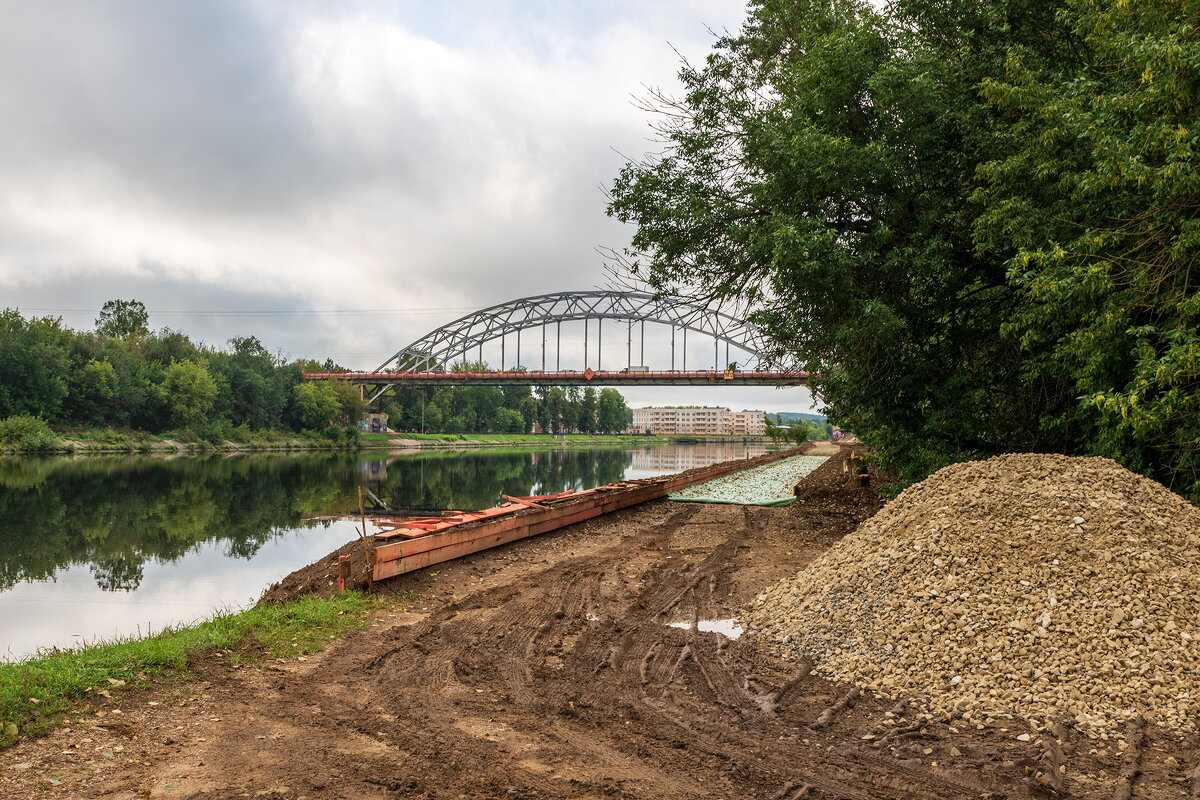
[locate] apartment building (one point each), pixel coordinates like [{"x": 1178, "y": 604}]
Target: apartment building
[{"x": 700, "y": 421}]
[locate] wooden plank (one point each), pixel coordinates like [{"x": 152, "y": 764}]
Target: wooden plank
[
  {"x": 522, "y": 501},
  {"x": 416, "y": 561},
  {"x": 394, "y": 550}
]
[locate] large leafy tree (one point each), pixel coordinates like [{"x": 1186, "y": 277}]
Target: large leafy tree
[
  {"x": 894, "y": 192},
  {"x": 123, "y": 319},
  {"x": 1100, "y": 200}
]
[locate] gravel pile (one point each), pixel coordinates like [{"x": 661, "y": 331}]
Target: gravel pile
[
  {"x": 1037, "y": 586},
  {"x": 768, "y": 485}
]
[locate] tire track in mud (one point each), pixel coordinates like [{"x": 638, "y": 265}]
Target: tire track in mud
[{"x": 591, "y": 683}]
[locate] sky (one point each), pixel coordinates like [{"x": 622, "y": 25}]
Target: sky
[{"x": 336, "y": 178}]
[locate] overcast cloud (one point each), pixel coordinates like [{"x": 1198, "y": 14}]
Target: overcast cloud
[{"x": 234, "y": 156}]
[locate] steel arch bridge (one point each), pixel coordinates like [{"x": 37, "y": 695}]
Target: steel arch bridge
[
  {"x": 440, "y": 347},
  {"x": 427, "y": 361}
]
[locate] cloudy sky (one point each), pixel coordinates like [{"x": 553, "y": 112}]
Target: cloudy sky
[{"x": 337, "y": 178}]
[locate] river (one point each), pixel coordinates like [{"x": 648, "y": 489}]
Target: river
[{"x": 94, "y": 548}]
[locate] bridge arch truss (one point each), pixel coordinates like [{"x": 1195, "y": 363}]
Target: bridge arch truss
[{"x": 465, "y": 336}]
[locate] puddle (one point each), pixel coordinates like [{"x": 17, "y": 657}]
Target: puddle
[{"x": 728, "y": 628}]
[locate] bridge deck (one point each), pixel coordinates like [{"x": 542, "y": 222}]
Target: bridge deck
[{"x": 569, "y": 378}]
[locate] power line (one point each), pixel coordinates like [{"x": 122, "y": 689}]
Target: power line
[{"x": 370, "y": 312}]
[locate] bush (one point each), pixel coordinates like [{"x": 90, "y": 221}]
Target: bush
[{"x": 28, "y": 434}]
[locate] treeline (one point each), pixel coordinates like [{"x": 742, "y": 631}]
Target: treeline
[
  {"x": 797, "y": 430},
  {"x": 508, "y": 409},
  {"x": 978, "y": 221},
  {"x": 122, "y": 375}
]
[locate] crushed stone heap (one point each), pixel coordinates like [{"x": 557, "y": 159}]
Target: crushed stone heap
[{"x": 1041, "y": 587}]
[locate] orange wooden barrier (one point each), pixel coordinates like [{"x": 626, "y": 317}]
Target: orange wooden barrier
[{"x": 410, "y": 544}]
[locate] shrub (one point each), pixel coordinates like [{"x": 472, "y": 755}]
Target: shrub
[{"x": 27, "y": 434}]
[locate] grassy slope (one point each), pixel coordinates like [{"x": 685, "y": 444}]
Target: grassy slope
[{"x": 35, "y": 694}]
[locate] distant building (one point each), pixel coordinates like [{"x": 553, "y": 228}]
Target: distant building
[{"x": 704, "y": 421}]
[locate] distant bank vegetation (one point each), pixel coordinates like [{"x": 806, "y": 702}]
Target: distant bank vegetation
[{"x": 58, "y": 382}]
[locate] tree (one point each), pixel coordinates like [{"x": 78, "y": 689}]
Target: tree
[
  {"x": 189, "y": 390},
  {"x": 1097, "y": 204},
  {"x": 34, "y": 365},
  {"x": 123, "y": 319},
  {"x": 92, "y": 390},
  {"x": 973, "y": 219},
  {"x": 317, "y": 405},
  {"x": 612, "y": 415},
  {"x": 587, "y": 410},
  {"x": 509, "y": 420}
]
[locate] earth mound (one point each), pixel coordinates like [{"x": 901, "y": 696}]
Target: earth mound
[{"x": 1041, "y": 587}]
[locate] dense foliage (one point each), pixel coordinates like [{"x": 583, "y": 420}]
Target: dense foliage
[
  {"x": 122, "y": 375},
  {"x": 508, "y": 409},
  {"x": 976, "y": 219},
  {"x": 798, "y": 430}
]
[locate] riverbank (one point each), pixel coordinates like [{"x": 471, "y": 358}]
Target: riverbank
[
  {"x": 178, "y": 443},
  {"x": 38, "y": 693}
]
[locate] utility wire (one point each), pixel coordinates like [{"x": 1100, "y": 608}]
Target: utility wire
[{"x": 373, "y": 312}]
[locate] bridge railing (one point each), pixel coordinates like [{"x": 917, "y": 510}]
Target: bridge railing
[{"x": 597, "y": 376}]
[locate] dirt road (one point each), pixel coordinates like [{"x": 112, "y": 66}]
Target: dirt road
[{"x": 548, "y": 669}]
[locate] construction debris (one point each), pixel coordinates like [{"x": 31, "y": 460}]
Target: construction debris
[{"x": 1032, "y": 586}]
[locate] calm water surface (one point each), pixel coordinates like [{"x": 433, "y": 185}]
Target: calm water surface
[{"x": 100, "y": 547}]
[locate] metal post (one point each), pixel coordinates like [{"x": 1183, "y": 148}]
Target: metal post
[
  {"x": 716, "y": 354},
  {"x": 503, "y": 338},
  {"x": 727, "y": 354},
  {"x": 672, "y": 348},
  {"x": 685, "y": 349},
  {"x": 643, "y": 343},
  {"x": 518, "y": 361},
  {"x": 585, "y": 343},
  {"x": 599, "y": 343},
  {"x": 543, "y": 347},
  {"x": 629, "y": 344},
  {"x": 558, "y": 347}
]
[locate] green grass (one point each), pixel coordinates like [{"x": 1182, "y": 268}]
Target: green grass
[{"x": 35, "y": 694}]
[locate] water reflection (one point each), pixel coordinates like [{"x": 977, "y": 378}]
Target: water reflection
[{"x": 119, "y": 545}]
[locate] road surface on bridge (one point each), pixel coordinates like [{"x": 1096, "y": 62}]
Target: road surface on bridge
[{"x": 569, "y": 378}]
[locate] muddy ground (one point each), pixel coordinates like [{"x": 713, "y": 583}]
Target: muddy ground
[{"x": 547, "y": 669}]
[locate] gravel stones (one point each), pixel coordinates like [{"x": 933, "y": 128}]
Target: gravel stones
[
  {"x": 1041, "y": 587},
  {"x": 770, "y": 484}
]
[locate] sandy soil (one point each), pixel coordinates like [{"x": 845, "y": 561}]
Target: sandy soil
[{"x": 547, "y": 669}]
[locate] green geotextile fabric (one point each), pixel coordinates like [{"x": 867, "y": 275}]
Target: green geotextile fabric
[{"x": 778, "y": 501}]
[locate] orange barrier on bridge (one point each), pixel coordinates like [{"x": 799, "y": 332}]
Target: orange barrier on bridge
[{"x": 409, "y": 544}]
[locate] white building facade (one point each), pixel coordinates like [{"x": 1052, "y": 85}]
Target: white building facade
[{"x": 702, "y": 421}]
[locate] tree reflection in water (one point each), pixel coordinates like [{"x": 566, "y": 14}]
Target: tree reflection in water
[{"x": 116, "y": 513}]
